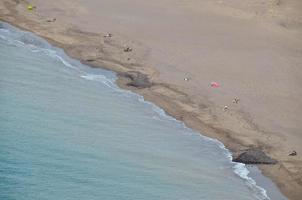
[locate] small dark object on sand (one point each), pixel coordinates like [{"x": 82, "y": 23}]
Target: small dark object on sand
[
  {"x": 51, "y": 20},
  {"x": 90, "y": 60},
  {"x": 236, "y": 100},
  {"x": 293, "y": 153},
  {"x": 127, "y": 49},
  {"x": 254, "y": 156},
  {"x": 108, "y": 35}
]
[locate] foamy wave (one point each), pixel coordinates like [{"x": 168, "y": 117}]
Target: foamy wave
[
  {"x": 241, "y": 170},
  {"x": 17, "y": 37},
  {"x": 101, "y": 78},
  {"x": 155, "y": 108},
  {"x": 35, "y": 44},
  {"x": 39, "y": 45},
  {"x": 32, "y": 42}
]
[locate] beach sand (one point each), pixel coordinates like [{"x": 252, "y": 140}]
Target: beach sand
[{"x": 253, "y": 49}]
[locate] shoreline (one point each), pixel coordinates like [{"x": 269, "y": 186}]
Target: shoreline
[
  {"x": 77, "y": 44},
  {"x": 263, "y": 186}
]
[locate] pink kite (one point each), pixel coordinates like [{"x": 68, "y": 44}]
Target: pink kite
[{"x": 215, "y": 84}]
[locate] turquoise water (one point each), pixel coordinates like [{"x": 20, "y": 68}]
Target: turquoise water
[{"x": 68, "y": 132}]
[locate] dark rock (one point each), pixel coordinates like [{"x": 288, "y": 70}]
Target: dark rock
[
  {"x": 138, "y": 80},
  {"x": 254, "y": 156},
  {"x": 90, "y": 60}
]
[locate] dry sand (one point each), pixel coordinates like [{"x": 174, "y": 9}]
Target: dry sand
[{"x": 253, "y": 48}]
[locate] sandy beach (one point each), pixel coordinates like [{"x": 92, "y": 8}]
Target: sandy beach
[{"x": 171, "y": 50}]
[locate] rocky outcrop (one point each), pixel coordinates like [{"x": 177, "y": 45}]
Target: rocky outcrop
[
  {"x": 254, "y": 156},
  {"x": 137, "y": 79}
]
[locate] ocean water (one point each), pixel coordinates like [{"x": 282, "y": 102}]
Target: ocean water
[{"x": 68, "y": 132}]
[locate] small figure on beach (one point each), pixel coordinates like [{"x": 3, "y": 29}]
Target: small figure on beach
[
  {"x": 127, "y": 49},
  {"x": 225, "y": 108},
  {"x": 30, "y": 7},
  {"x": 186, "y": 79},
  {"x": 236, "y": 100},
  {"x": 214, "y": 84},
  {"x": 293, "y": 153},
  {"x": 51, "y": 20},
  {"x": 109, "y": 35}
]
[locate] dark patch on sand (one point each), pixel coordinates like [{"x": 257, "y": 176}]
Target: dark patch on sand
[
  {"x": 90, "y": 60},
  {"x": 137, "y": 79},
  {"x": 254, "y": 156}
]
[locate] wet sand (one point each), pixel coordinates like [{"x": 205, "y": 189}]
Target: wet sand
[{"x": 253, "y": 49}]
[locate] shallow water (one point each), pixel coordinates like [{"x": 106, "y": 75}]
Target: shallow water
[{"x": 68, "y": 132}]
